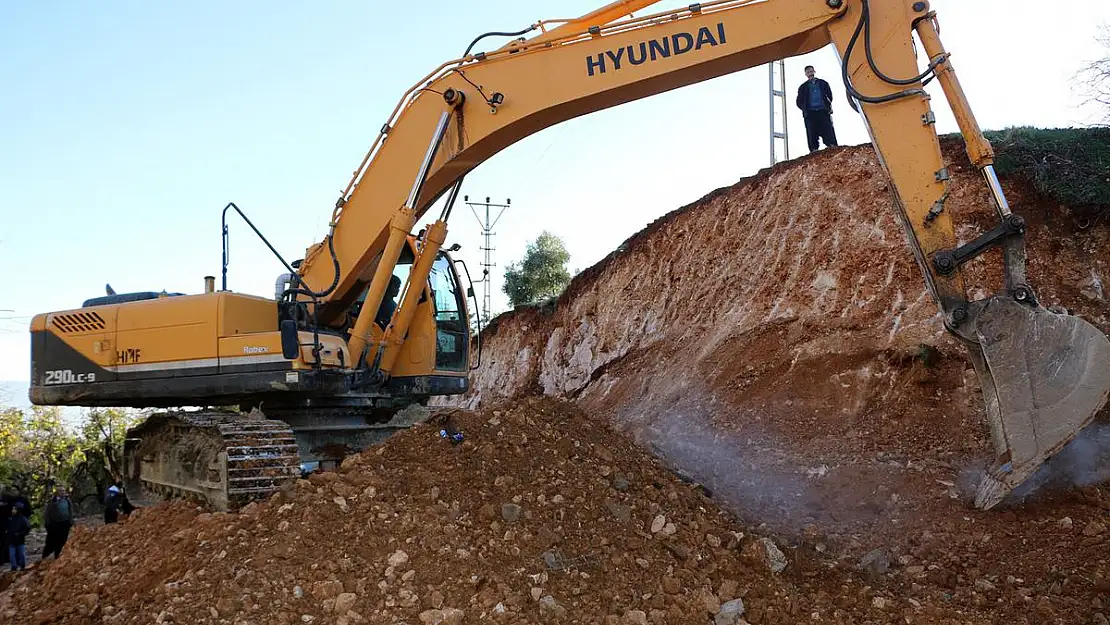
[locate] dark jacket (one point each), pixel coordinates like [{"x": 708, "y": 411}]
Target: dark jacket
[
  {"x": 112, "y": 501},
  {"x": 59, "y": 510},
  {"x": 12, "y": 500},
  {"x": 803, "y": 94},
  {"x": 16, "y": 530}
]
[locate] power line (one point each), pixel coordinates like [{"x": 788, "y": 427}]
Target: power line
[{"x": 487, "y": 235}]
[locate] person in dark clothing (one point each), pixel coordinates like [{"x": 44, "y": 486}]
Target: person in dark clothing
[
  {"x": 10, "y": 499},
  {"x": 815, "y": 99},
  {"x": 14, "y": 497},
  {"x": 389, "y": 304},
  {"x": 112, "y": 504},
  {"x": 58, "y": 518},
  {"x": 15, "y": 532},
  {"x": 116, "y": 502},
  {"x": 5, "y": 513}
]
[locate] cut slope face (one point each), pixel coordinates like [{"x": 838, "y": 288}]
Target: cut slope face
[{"x": 785, "y": 321}]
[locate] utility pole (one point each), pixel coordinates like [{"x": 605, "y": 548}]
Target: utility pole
[
  {"x": 487, "y": 235},
  {"x": 778, "y": 101}
]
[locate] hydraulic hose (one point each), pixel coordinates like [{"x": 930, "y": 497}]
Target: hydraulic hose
[
  {"x": 335, "y": 262},
  {"x": 866, "y": 18},
  {"x": 860, "y": 26},
  {"x": 496, "y": 34}
]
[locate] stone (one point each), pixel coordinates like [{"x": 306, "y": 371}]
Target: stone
[
  {"x": 671, "y": 586},
  {"x": 636, "y": 617},
  {"x": 344, "y": 602},
  {"x": 436, "y": 599},
  {"x": 730, "y": 613},
  {"x": 658, "y": 523},
  {"x": 710, "y": 602},
  {"x": 879, "y": 603},
  {"x": 327, "y": 590},
  {"x": 550, "y": 609},
  {"x": 712, "y": 540},
  {"x": 765, "y": 551},
  {"x": 1064, "y": 523},
  {"x": 876, "y": 562},
  {"x": 1094, "y": 528},
  {"x": 397, "y": 558},
  {"x": 510, "y": 512},
  {"x": 728, "y": 588},
  {"x": 446, "y": 616},
  {"x": 537, "y": 592},
  {"x": 298, "y": 592},
  {"x": 307, "y": 618},
  {"x": 619, "y": 511},
  {"x": 341, "y": 502},
  {"x": 620, "y": 483},
  {"x": 983, "y": 585},
  {"x": 668, "y": 530}
]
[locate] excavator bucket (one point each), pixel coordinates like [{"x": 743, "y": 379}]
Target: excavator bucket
[{"x": 1044, "y": 375}]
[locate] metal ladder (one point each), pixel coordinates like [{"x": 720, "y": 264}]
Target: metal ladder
[{"x": 777, "y": 83}]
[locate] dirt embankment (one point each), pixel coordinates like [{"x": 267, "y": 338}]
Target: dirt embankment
[{"x": 775, "y": 341}]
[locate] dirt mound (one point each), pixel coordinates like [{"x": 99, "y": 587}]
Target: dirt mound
[{"x": 540, "y": 515}]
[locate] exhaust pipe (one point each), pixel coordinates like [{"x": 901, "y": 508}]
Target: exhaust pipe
[
  {"x": 209, "y": 284},
  {"x": 281, "y": 284}
]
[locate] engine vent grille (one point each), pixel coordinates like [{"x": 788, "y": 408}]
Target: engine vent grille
[{"x": 79, "y": 322}]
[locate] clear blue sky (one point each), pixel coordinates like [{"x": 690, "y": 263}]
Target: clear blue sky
[{"x": 127, "y": 126}]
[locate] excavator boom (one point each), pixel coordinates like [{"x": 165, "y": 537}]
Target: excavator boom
[{"x": 1044, "y": 375}]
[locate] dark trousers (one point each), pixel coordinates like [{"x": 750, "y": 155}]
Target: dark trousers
[
  {"x": 56, "y": 536},
  {"x": 819, "y": 124}
]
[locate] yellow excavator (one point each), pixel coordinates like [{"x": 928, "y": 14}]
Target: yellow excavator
[{"x": 375, "y": 318}]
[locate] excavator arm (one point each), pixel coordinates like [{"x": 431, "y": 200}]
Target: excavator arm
[{"x": 1044, "y": 375}]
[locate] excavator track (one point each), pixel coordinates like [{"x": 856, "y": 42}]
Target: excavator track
[{"x": 222, "y": 459}]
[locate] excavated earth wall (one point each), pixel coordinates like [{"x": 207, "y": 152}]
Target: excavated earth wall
[{"x": 775, "y": 340}]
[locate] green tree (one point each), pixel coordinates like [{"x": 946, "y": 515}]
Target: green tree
[
  {"x": 542, "y": 274},
  {"x": 38, "y": 452}
]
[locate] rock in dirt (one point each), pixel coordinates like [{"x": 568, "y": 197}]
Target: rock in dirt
[
  {"x": 510, "y": 512},
  {"x": 397, "y": 558},
  {"x": 1094, "y": 528},
  {"x": 344, "y": 602},
  {"x": 876, "y": 562},
  {"x": 550, "y": 609},
  {"x": 767, "y": 553},
  {"x": 446, "y": 616},
  {"x": 730, "y": 612}
]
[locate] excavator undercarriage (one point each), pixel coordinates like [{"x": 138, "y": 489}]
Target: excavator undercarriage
[
  {"x": 219, "y": 458},
  {"x": 225, "y": 458}
]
